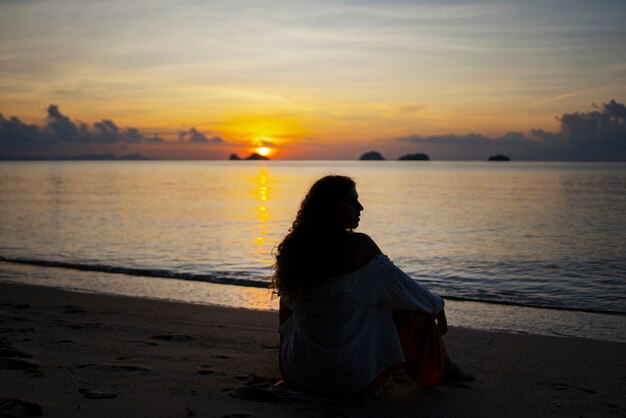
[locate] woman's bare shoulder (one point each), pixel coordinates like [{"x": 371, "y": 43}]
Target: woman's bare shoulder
[
  {"x": 353, "y": 251},
  {"x": 366, "y": 248}
]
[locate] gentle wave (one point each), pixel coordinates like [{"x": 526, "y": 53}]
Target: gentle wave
[{"x": 228, "y": 278}]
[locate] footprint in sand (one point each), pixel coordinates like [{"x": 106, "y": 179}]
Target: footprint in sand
[
  {"x": 77, "y": 325},
  {"x": 7, "y": 350},
  {"x": 177, "y": 338},
  {"x": 11, "y": 407},
  {"x": 144, "y": 343},
  {"x": 210, "y": 372},
  {"x": 9, "y": 330},
  {"x": 15, "y": 364},
  {"x": 114, "y": 367},
  {"x": 94, "y": 394},
  {"x": 71, "y": 309},
  {"x": 564, "y": 386},
  {"x": 251, "y": 393},
  {"x": 11, "y": 352},
  {"x": 207, "y": 369}
]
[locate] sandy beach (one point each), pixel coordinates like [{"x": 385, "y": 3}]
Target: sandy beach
[{"x": 78, "y": 354}]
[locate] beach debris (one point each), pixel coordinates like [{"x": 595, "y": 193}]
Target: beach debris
[
  {"x": 17, "y": 408},
  {"x": 94, "y": 394},
  {"x": 177, "y": 338}
]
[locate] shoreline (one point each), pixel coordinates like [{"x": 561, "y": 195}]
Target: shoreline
[
  {"x": 163, "y": 358},
  {"x": 470, "y": 314},
  {"x": 231, "y": 281}
]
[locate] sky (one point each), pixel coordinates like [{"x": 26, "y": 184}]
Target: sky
[{"x": 314, "y": 79}]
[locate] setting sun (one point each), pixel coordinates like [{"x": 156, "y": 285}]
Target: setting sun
[{"x": 264, "y": 151}]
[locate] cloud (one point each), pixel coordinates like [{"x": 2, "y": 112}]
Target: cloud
[
  {"x": 13, "y": 129},
  {"x": 598, "y": 135},
  {"x": 195, "y": 136},
  {"x": 59, "y": 134},
  {"x": 60, "y": 129}
]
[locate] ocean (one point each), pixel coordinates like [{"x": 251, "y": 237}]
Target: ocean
[{"x": 507, "y": 236}]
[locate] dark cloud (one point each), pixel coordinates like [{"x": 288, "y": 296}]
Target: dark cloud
[
  {"x": 60, "y": 135},
  {"x": 193, "y": 135},
  {"x": 60, "y": 129},
  {"x": 598, "y": 135},
  {"x": 13, "y": 129}
]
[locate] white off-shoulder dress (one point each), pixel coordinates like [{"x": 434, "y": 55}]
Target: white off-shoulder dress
[{"x": 341, "y": 335}]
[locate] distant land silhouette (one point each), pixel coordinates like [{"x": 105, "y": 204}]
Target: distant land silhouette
[
  {"x": 372, "y": 156},
  {"x": 499, "y": 157},
  {"x": 253, "y": 156},
  {"x": 81, "y": 157},
  {"x": 415, "y": 157}
]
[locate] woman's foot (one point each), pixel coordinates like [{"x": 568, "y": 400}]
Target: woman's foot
[{"x": 454, "y": 373}]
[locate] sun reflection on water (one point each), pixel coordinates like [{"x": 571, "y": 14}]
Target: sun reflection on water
[{"x": 262, "y": 194}]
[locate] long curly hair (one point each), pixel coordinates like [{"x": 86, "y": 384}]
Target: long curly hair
[{"x": 311, "y": 235}]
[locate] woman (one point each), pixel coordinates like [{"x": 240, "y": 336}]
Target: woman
[{"x": 348, "y": 315}]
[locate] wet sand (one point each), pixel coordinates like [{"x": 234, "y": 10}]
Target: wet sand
[{"x": 78, "y": 354}]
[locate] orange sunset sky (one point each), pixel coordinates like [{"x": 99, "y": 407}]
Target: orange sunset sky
[{"x": 308, "y": 79}]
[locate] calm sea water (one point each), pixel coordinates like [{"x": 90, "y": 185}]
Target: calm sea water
[{"x": 533, "y": 234}]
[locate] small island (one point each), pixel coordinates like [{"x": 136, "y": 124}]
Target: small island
[
  {"x": 253, "y": 156},
  {"x": 420, "y": 156},
  {"x": 372, "y": 156},
  {"x": 499, "y": 157}
]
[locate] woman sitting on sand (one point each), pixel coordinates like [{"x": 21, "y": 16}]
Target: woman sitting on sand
[{"x": 348, "y": 315}]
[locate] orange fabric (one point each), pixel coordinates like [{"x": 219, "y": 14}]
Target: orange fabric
[{"x": 424, "y": 352}]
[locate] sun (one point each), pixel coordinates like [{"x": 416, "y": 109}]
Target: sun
[{"x": 264, "y": 151}]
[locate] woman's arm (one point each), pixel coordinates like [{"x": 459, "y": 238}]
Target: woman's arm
[{"x": 397, "y": 289}]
